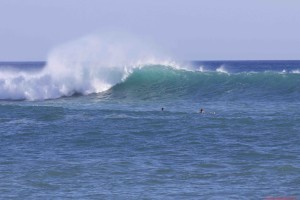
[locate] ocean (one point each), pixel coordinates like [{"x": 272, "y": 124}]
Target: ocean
[{"x": 83, "y": 130}]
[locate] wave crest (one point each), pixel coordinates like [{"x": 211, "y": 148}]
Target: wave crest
[{"x": 89, "y": 65}]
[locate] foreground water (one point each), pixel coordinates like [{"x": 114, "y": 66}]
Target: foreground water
[{"x": 118, "y": 144}]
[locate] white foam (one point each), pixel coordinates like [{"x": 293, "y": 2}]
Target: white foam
[
  {"x": 201, "y": 68},
  {"x": 89, "y": 65},
  {"x": 296, "y": 71},
  {"x": 222, "y": 69}
]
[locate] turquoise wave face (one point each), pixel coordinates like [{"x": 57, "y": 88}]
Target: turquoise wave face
[
  {"x": 206, "y": 80},
  {"x": 162, "y": 82}
]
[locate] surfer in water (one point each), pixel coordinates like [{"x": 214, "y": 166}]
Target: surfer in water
[
  {"x": 162, "y": 109},
  {"x": 201, "y": 110}
]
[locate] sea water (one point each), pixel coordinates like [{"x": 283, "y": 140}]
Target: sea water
[{"x": 100, "y": 133}]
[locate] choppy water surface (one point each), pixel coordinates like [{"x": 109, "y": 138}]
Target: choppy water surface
[{"x": 118, "y": 144}]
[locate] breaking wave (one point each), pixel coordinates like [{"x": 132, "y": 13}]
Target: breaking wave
[
  {"x": 123, "y": 67},
  {"x": 89, "y": 65}
]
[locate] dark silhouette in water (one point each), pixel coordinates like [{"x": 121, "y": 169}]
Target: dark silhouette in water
[
  {"x": 162, "y": 109},
  {"x": 201, "y": 110}
]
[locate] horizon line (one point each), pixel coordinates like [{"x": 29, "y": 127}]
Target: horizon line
[{"x": 192, "y": 60}]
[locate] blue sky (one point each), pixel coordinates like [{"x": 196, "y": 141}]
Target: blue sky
[{"x": 189, "y": 29}]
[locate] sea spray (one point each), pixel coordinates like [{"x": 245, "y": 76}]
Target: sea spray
[
  {"x": 222, "y": 69},
  {"x": 89, "y": 65}
]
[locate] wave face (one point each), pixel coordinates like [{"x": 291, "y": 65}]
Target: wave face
[{"x": 163, "y": 82}]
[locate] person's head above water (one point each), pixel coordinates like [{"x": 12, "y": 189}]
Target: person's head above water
[
  {"x": 201, "y": 110},
  {"x": 162, "y": 109}
]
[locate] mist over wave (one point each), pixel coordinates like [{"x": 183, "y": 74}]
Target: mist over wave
[{"x": 89, "y": 65}]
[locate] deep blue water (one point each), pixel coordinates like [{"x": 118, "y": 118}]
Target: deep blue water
[{"x": 118, "y": 144}]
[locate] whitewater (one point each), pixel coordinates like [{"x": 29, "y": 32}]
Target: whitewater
[
  {"x": 89, "y": 65},
  {"x": 87, "y": 123}
]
